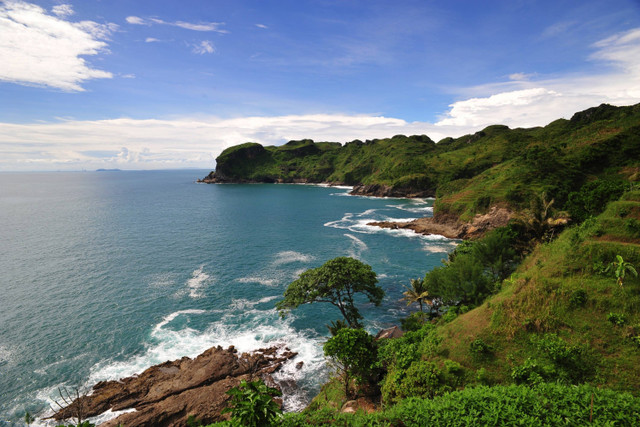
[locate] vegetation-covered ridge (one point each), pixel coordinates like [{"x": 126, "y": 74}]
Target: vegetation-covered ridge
[{"x": 497, "y": 166}]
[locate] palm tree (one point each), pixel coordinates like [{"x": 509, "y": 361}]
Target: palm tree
[
  {"x": 417, "y": 293},
  {"x": 620, "y": 267},
  {"x": 540, "y": 220}
]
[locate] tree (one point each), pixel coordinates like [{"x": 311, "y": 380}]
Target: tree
[
  {"x": 336, "y": 282},
  {"x": 620, "y": 267},
  {"x": 417, "y": 293},
  {"x": 353, "y": 352}
]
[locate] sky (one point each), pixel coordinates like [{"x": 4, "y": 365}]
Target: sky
[{"x": 159, "y": 84}]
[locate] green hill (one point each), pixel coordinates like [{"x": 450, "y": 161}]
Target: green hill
[{"x": 497, "y": 166}]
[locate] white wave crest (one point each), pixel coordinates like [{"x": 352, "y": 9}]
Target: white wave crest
[
  {"x": 286, "y": 257},
  {"x": 197, "y": 281},
  {"x": 245, "y": 329}
]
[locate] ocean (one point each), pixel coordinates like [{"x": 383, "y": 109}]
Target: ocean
[{"x": 103, "y": 274}]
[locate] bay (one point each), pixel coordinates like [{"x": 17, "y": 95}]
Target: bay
[{"x": 103, "y": 274}]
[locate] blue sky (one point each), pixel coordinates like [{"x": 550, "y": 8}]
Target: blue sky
[{"x": 166, "y": 84}]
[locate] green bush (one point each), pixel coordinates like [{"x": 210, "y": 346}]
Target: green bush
[
  {"x": 578, "y": 298},
  {"x": 480, "y": 349},
  {"x": 617, "y": 319},
  {"x": 572, "y": 363},
  {"x": 354, "y": 353},
  {"x": 514, "y": 405},
  {"x": 532, "y": 372},
  {"x": 252, "y": 404}
]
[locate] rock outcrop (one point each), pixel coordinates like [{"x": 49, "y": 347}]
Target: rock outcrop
[
  {"x": 451, "y": 227},
  {"x": 166, "y": 394}
]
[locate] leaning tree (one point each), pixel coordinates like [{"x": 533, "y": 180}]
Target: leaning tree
[{"x": 336, "y": 282}]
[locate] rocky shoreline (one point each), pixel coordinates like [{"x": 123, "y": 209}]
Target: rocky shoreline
[
  {"x": 165, "y": 395},
  {"x": 451, "y": 227},
  {"x": 370, "y": 190}
]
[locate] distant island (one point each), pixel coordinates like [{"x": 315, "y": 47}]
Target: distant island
[{"x": 109, "y": 170}]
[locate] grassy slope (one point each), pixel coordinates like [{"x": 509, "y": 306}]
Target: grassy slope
[{"x": 537, "y": 300}]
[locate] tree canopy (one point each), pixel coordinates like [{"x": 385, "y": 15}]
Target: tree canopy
[{"x": 336, "y": 282}]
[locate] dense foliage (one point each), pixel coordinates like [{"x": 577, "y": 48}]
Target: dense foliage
[
  {"x": 353, "y": 353},
  {"x": 252, "y": 404},
  {"x": 514, "y": 405}
]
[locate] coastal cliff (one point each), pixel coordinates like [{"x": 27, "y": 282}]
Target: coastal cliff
[{"x": 496, "y": 169}]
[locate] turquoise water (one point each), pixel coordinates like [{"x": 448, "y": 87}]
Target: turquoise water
[{"x": 103, "y": 274}]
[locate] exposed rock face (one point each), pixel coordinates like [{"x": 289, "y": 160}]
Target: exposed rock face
[
  {"x": 166, "y": 394},
  {"x": 452, "y": 228},
  {"x": 380, "y": 190}
]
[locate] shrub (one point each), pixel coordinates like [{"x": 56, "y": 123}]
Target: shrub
[
  {"x": 578, "y": 298},
  {"x": 617, "y": 319},
  {"x": 572, "y": 362},
  {"x": 532, "y": 372},
  {"x": 252, "y": 404},
  {"x": 353, "y": 351},
  {"x": 479, "y": 348}
]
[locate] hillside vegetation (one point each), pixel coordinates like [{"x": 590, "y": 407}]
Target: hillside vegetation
[{"x": 497, "y": 166}]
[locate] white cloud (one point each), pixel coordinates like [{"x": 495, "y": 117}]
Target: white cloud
[
  {"x": 500, "y": 107},
  {"x": 153, "y": 144},
  {"x": 208, "y": 26},
  {"x": 188, "y": 142},
  {"x": 262, "y": 26},
  {"x": 520, "y": 76},
  {"x": 525, "y": 102},
  {"x": 136, "y": 20},
  {"x": 44, "y": 50},
  {"x": 205, "y": 46},
  {"x": 151, "y": 40},
  {"x": 63, "y": 10}
]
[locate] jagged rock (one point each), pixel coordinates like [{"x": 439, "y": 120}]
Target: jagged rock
[
  {"x": 451, "y": 227},
  {"x": 392, "y": 332},
  {"x": 166, "y": 394},
  {"x": 362, "y": 403}
]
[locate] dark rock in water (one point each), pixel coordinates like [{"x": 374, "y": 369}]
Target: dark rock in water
[
  {"x": 299, "y": 365},
  {"x": 166, "y": 394}
]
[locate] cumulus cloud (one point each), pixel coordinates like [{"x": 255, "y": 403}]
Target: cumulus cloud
[
  {"x": 45, "y": 50},
  {"x": 524, "y": 101},
  {"x": 207, "y": 26},
  {"x": 205, "y": 46}
]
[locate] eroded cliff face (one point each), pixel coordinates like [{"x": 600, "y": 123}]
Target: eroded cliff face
[{"x": 166, "y": 394}]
